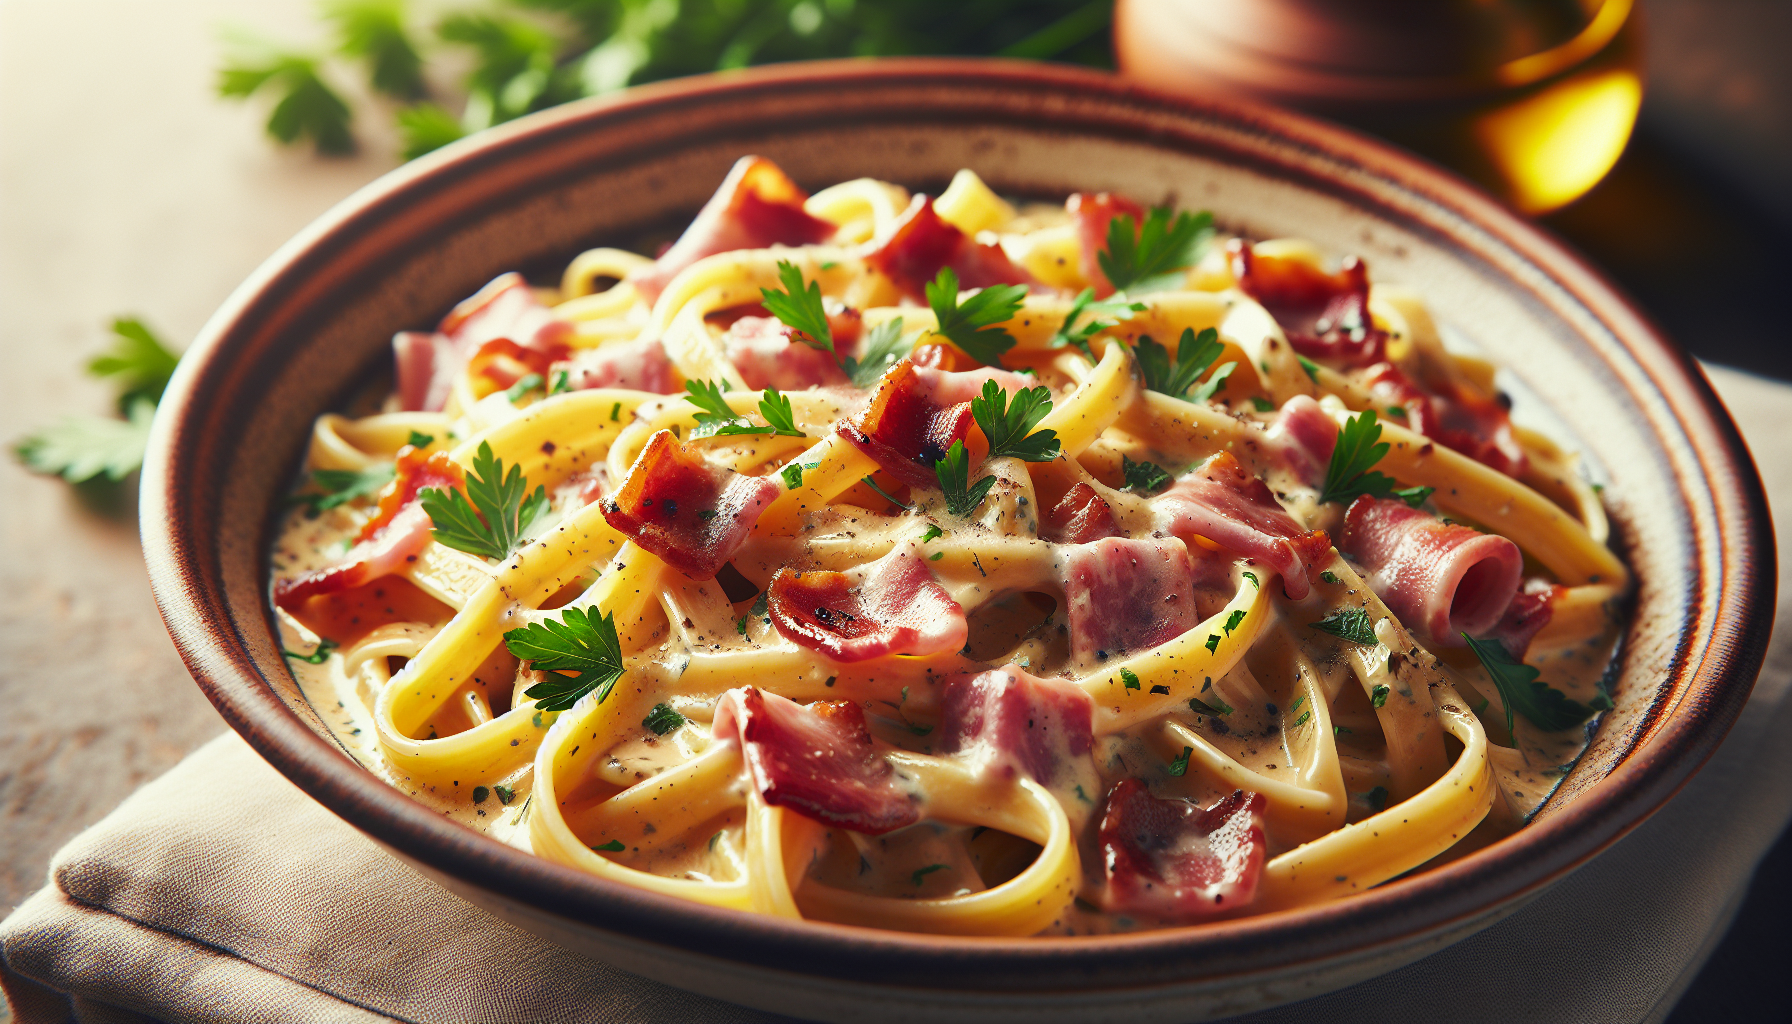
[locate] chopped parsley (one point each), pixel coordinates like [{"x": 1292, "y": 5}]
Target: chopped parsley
[
  {"x": 1144, "y": 477},
  {"x": 318, "y": 656},
  {"x": 488, "y": 518},
  {"x": 419, "y": 439},
  {"x": 1351, "y": 473},
  {"x": 932, "y": 532},
  {"x": 719, "y": 419},
  {"x": 800, "y": 308},
  {"x": 1547, "y": 708},
  {"x": 505, "y": 794},
  {"x": 1330, "y": 577},
  {"x": 792, "y": 474},
  {"x": 1311, "y": 368},
  {"x": 1352, "y": 624},
  {"x": 1233, "y": 620},
  {"x": 561, "y": 383},
  {"x": 613, "y": 846},
  {"x": 1213, "y": 643},
  {"x": 1211, "y": 708},
  {"x": 1128, "y": 679},
  {"x": 662, "y": 719},
  {"x": 522, "y": 387},
  {"x": 1253, "y": 578},
  {"x": 1099, "y": 311},
  {"x": 1194, "y": 354},
  {"x": 1305, "y": 717},
  {"x": 883, "y": 347},
  {"x": 341, "y": 486},
  {"x": 579, "y": 642},
  {"x": 971, "y": 324},
  {"x": 1378, "y": 697},
  {"x": 1338, "y": 730},
  {"x": 924, "y": 872},
  {"x": 1007, "y": 424},
  {"x": 1262, "y": 404},
  {"x": 954, "y": 471},
  {"x": 1179, "y": 767},
  {"x": 1145, "y": 257}
]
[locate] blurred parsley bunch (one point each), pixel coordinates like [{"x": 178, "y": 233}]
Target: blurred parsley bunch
[{"x": 527, "y": 55}]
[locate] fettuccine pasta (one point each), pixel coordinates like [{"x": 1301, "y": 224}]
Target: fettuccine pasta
[{"x": 954, "y": 565}]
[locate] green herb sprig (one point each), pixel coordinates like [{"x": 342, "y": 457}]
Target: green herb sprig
[
  {"x": 718, "y": 419},
  {"x": 1352, "y": 624},
  {"x": 1194, "y": 354},
  {"x": 489, "y": 518},
  {"x": 954, "y": 472},
  {"x": 800, "y": 307},
  {"x": 883, "y": 347},
  {"x": 1144, "y": 477},
  {"x": 341, "y": 486},
  {"x": 1008, "y": 424},
  {"x": 1351, "y": 474},
  {"x": 80, "y": 448},
  {"x": 1545, "y": 706},
  {"x": 662, "y": 719},
  {"x": 1145, "y": 257},
  {"x": 970, "y": 324},
  {"x": 580, "y": 642},
  {"x": 1102, "y": 313}
]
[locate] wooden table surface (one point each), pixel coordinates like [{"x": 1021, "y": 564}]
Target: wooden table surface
[{"x": 125, "y": 188}]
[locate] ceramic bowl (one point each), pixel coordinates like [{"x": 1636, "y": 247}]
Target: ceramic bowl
[{"x": 307, "y": 327}]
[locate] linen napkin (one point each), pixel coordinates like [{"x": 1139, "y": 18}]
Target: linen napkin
[{"x": 220, "y": 892}]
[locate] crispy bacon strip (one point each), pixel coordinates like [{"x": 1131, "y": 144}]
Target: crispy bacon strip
[
  {"x": 919, "y": 243},
  {"x": 1325, "y": 316},
  {"x": 1093, "y": 214},
  {"x": 818, "y": 760},
  {"x": 770, "y": 354},
  {"x": 1126, "y": 595},
  {"x": 393, "y": 538},
  {"x": 1441, "y": 579},
  {"x": 1175, "y": 859},
  {"x": 1454, "y": 416},
  {"x": 685, "y": 510},
  {"x": 1012, "y": 723},
  {"x": 421, "y": 360},
  {"x": 1224, "y": 503},
  {"x": 1080, "y": 517},
  {"x": 640, "y": 364},
  {"x": 756, "y": 207},
  {"x": 891, "y": 606},
  {"x": 904, "y": 430}
]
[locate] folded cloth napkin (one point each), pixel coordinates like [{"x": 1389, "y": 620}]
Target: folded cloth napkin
[{"x": 220, "y": 892}]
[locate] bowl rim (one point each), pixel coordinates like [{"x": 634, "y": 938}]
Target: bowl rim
[{"x": 187, "y": 581}]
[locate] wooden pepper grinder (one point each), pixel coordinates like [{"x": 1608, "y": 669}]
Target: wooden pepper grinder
[{"x": 1535, "y": 99}]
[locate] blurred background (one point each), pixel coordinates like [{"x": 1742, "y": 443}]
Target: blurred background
[{"x": 153, "y": 152}]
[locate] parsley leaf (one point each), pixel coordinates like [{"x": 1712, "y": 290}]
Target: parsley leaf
[
  {"x": 425, "y": 128},
  {"x": 953, "y": 471},
  {"x": 1179, "y": 766},
  {"x": 970, "y": 324},
  {"x": 663, "y": 719},
  {"x": 891, "y": 498},
  {"x": 1212, "y": 708},
  {"x": 800, "y": 308},
  {"x": 419, "y": 439},
  {"x": 1310, "y": 367},
  {"x": 318, "y": 655},
  {"x": 80, "y": 448},
  {"x": 613, "y": 846},
  {"x": 1129, "y": 679},
  {"x": 931, "y": 533},
  {"x": 1206, "y": 391},
  {"x": 307, "y": 109},
  {"x": 1350, "y": 473},
  {"x": 140, "y": 363},
  {"x": 924, "y": 872},
  {"x": 1378, "y": 697},
  {"x": 1262, "y": 404},
  {"x": 374, "y": 31},
  {"x": 514, "y": 65},
  {"x": 1006, "y": 424},
  {"x": 776, "y": 410},
  {"x": 1352, "y": 624},
  {"x": 341, "y": 486},
  {"x": 499, "y": 510},
  {"x": 1145, "y": 257},
  {"x": 524, "y": 385},
  {"x": 1068, "y": 334},
  {"x": 1194, "y": 354},
  {"x": 578, "y": 642},
  {"x": 1143, "y": 477},
  {"x": 1548, "y": 708},
  {"x": 718, "y": 419},
  {"x": 883, "y": 347}
]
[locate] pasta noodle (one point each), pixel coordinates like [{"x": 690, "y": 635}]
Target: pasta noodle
[{"x": 872, "y": 558}]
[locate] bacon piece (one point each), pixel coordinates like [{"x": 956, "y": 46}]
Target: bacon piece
[
  {"x": 950, "y": 387},
  {"x": 504, "y": 362},
  {"x": 890, "y": 606},
  {"x": 1440, "y": 579},
  {"x": 818, "y": 761},
  {"x": 661, "y": 506},
  {"x": 392, "y": 539},
  {"x": 1325, "y": 316},
  {"x": 640, "y": 365},
  {"x": 1175, "y": 859},
  {"x": 1093, "y": 214},
  {"x": 1230, "y": 507},
  {"x": 919, "y": 243},
  {"x": 756, "y": 207},
  {"x": 903, "y": 430},
  {"x": 1305, "y": 435},
  {"x": 769, "y": 354},
  {"x": 424, "y": 363},
  {"x": 1456, "y": 417},
  {"x": 1011, "y": 723},
  {"x": 504, "y": 308},
  {"x": 1526, "y": 616},
  {"x": 1080, "y": 517},
  {"x": 1125, "y": 595}
]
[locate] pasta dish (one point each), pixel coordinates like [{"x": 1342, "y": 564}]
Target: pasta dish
[{"x": 952, "y": 564}]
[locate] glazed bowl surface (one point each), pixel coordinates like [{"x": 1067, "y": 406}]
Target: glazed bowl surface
[{"x": 302, "y": 333}]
